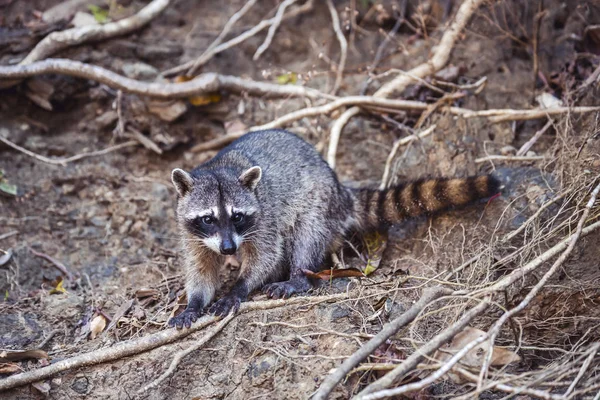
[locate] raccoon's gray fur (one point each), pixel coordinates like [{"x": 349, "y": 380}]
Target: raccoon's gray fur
[{"x": 271, "y": 199}]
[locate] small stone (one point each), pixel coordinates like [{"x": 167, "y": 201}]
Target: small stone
[
  {"x": 68, "y": 189},
  {"x": 83, "y": 19},
  {"x": 531, "y": 153},
  {"x": 108, "y": 118}
]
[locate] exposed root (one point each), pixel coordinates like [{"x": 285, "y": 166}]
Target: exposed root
[
  {"x": 205, "y": 83},
  {"x": 386, "y": 332},
  {"x": 181, "y": 354},
  {"x": 143, "y": 344}
]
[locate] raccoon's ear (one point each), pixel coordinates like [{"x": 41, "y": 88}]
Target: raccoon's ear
[
  {"x": 182, "y": 181},
  {"x": 251, "y": 177}
]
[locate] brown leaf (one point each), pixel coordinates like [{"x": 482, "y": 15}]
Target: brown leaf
[
  {"x": 334, "y": 273},
  {"x": 475, "y": 357},
  {"x": 18, "y": 355},
  {"x": 42, "y": 387},
  {"x": 167, "y": 110},
  {"x": 146, "y": 292},
  {"x": 39, "y": 91},
  {"x": 97, "y": 325},
  {"x": 9, "y": 368}
]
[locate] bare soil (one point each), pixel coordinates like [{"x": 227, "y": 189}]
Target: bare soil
[{"x": 110, "y": 219}]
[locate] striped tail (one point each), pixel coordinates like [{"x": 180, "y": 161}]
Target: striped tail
[{"x": 377, "y": 208}]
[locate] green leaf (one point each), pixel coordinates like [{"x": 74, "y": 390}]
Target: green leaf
[
  {"x": 6, "y": 295},
  {"x": 8, "y": 188},
  {"x": 100, "y": 14},
  {"x": 290, "y": 77}
]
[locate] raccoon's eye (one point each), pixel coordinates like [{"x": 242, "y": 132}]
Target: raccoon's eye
[
  {"x": 237, "y": 217},
  {"x": 207, "y": 220}
]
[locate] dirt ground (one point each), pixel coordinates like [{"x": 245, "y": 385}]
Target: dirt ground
[{"x": 110, "y": 219}]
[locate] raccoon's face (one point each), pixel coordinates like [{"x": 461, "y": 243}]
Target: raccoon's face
[{"x": 220, "y": 209}]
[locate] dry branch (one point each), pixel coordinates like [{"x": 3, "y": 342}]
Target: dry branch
[
  {"x": 508, "y": 158},
  {"x": 208, "y": 53},
  {"x": 143, "y": 344},
  {"x": 386, "y": 332},
  {"x": 195, "y": 64},
  {"x": 437, "y": 62},
  {"x": 180, "y": 355},
  {"x": 335, "y": 19},
  {"x": 366, "y": 101},
  {"x": 374, "y": 389},
  {"x": 58, "y": 41},
  {"x": 205, "y": 83},
  {"x": 502, "y": 115},
  {"x": 272, "y": 29}
]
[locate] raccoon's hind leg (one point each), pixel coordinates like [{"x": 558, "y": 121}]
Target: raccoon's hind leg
[{"x": 309, "y": 250}]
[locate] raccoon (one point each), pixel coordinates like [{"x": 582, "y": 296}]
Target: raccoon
[{"x": 270, "y": 199}]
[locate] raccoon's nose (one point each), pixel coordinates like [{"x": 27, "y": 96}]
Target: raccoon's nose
[{"x": 228, "y": 247}]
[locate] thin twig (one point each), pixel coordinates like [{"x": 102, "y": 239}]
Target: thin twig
[
  {"x": 57, "y": 264},
  {"x": 181, "y": 354},
  {"x": 65, "y": 161},
  {"x": 386, "y": 332},
  {"x": 525, "y": 148},
  {"x": 335, "y": 19},
  {"x": 8, "y": 234},
  {"x": 273, "y": 28},
  {"x": 401, "y": 142},
  {"x": 205, "y": 83},
  {"x": 209, "y": 52},
  {"x": 143, "y": 344},
  {"x": 239, "y": 39},
  {"x": 48, "y": 338}
]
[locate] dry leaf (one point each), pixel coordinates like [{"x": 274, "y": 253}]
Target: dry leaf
[
  {"x": 58, "y": 287},
  {"x": 18, "y": 355},
  {"x": 375, "y": 244},
  {"x": 97, "y": 325},
  {"x": 328, "y": 274},
  {"x": 475, "y": 357},
  {"x": 167, "y": 110},
  {"x": 39, "y": 91},
  {"x": 146, "y": 292},
  {"x": 121, "y": 311},
  {"x": 42, "y": 387},
  {"x": 235, "y": 126},
  {"x": 9, "y": 368},
  {"x": 204, "y": 99}
]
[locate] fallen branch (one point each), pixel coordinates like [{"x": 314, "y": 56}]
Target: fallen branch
[
  {"x": 376, "y": 389},
  {"x": 437, "y": 62},
  {"x": 57, "y": 264},
  {"x": 368, "y": 348},
  {"x": 181, "y": 354},
  {"x": 272, "y": 29},
  {"x": 502, "y": 115},
  {"x": 143, "y": 344},
  {"x": 65, "y": 161},
  {"x": 366, "y": 101},
  {"x": 8, "y": 234},
  {"x": 205, "y": 83},
  {"x": 58, "y": 41},
  {"x": 208, "y": 53},
  {"x": 235, "y": 41},
  {"x": 335, "y": 19}
]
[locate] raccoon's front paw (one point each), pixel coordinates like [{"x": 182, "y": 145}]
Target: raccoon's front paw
[
  {"x": 224, "y": 305},
  {"x": 186, "y": 318},
  {"x": 282, "y": 290}
]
